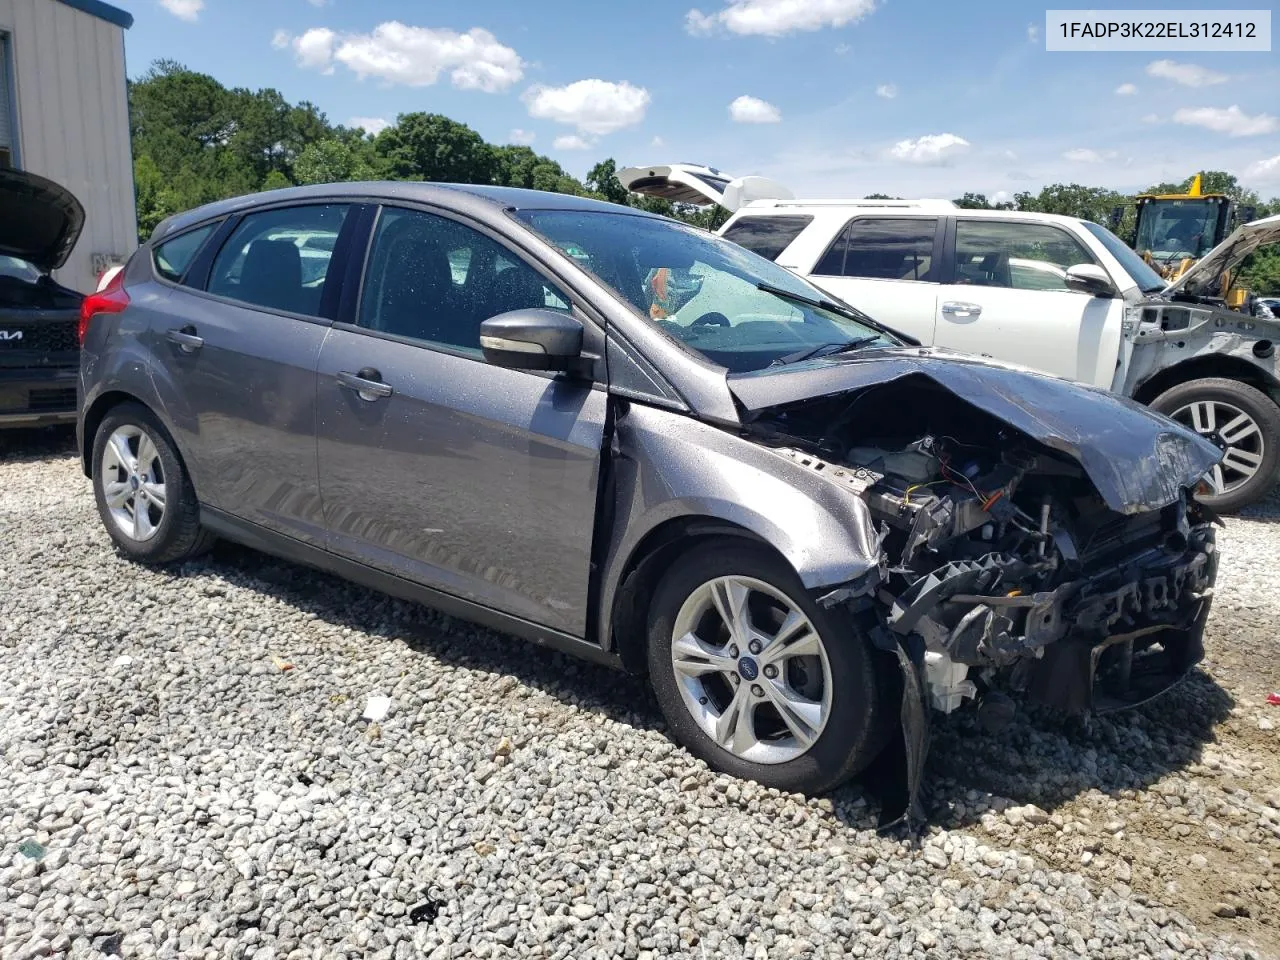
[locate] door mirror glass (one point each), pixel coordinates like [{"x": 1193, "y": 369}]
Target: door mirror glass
[
  {"x": 532, "y": 339},
  {"x": 1091, "y": 279}
]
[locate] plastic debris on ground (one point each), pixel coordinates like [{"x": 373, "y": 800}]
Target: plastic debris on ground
[
  {"x": 1273, "y": 699},
  {"x": 377, "y": 708}
]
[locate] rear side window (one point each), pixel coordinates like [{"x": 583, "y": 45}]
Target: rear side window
[
  {"x": 174, "y": 256},
  {"x": 767, "y": 236},
  {"x": 279, "y": 259},
  {"x": 897, "y": 248}
]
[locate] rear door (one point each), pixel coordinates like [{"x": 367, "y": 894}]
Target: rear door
[
  {"x": 476, "y": 480},
  {"x": 886, "y": 266},
  {"x": 234, "y": 355},
  {"x": 1005, "y": 296}
]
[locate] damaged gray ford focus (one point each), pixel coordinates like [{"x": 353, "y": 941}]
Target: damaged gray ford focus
[{"x": 625, "y": 438}]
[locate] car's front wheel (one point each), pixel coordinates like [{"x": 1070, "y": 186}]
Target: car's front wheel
[
  {"x": 1243, "y": 422},
  {"x": 756, "y": 678},
  {"x": 144, "y": 495}
]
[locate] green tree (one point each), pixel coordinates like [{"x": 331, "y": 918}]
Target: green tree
[
  {"x": 428, "y": 146},
  {"x": 602, "y": 180},
  {"x": 974, "y": 201}
]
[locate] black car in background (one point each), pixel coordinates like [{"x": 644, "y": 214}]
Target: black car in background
[{"x": 39, "y": 340}]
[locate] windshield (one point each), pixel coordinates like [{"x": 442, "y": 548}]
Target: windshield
[
  {"x": 1177, "y": 229},
  {"x": 19, "y": 269},
  {"x": 704, "y": 291},
  {"x": 1147, "y": 279}
]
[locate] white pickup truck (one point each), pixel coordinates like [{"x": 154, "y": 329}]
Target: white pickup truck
[{"x": 1056, "y": 294}]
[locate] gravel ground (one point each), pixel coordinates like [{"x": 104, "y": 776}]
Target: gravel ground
[{"x": 187, "y": 774}]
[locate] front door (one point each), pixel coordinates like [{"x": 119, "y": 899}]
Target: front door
[
  {"x": 236, "y": 366},
  {"x": 1007, "y": 298},
  {"x": 472, "y": 479}
]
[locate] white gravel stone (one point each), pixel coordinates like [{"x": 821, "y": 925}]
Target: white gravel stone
[{"x": 195, "y": 800}]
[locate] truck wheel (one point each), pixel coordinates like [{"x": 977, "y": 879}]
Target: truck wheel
[
  {"x": 756, "y": 678},
  {"x": 1244, "y": 423}
]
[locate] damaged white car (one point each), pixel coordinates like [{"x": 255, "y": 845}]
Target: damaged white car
[{"x": 1056, "y": 294}]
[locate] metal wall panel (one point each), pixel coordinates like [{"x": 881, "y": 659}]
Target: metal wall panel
[{"x": 73, "y": 121}]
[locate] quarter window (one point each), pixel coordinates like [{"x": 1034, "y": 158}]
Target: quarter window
[
  {"x": 173, "y": 257},
  {"x": 279, "y": 259},
  {"x": 435, "y": 280},
  {"x": 767, "y": 236},
  {"x": 1020, "y": 256},
  {"x": 882, "y": 248}
]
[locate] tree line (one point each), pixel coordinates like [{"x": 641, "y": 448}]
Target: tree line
[{"x": 196, "y": 141}]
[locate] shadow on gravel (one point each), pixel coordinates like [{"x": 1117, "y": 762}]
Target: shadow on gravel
[
  {"x": 1039, "y": 758},
  {"x": 1048, "y": 760},
  {"x": 34, "y": 445}
]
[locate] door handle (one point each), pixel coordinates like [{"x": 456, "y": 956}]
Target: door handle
[
  {"x": 961, "y": 311},
  {"x": 367, "y": 384},
  {"x": 186, "y": 339}
]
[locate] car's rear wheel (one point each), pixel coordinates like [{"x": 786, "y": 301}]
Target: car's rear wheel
[
  {"x": 1243, "y": 422},
  {"x": 756, "y": 678},
  {"x": 144, "y": 495}
]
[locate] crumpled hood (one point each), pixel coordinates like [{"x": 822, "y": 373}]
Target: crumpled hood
[
  {"x": 1138, "y": 460},
  {"x": 1205, "y": 278},
  {"x": 41, "y": 220}
]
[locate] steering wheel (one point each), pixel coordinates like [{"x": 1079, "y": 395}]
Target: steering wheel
[{"x": 712, "y": 319}]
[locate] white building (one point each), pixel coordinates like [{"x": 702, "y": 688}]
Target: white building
[{"x": 64, "y": 114}]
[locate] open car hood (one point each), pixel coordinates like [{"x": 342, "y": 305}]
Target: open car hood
[
  {"x": 1204, "y": 279},
  {"x": 696, "y": 184},
  {"x": 41, "y": 220},
  {"x": 1138, "y": 460}
]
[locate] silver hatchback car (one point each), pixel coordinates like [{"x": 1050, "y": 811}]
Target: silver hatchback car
[{"x": 627, "y": 439}]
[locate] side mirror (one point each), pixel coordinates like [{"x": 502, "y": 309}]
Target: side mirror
[
  {"x": 1091, "y": 279},
  {"x": 1246, "y": 214},
  {"x": 532, "y": 339}
]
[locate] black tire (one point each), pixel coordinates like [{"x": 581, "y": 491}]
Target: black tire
[
  {"x": 852, "y": 734},
  {"x": 1249, "y": 400},
  {"x": 177, "y": 535}
]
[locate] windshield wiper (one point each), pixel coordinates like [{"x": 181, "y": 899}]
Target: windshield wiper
[
  {"x": 845, "y": 311},
  {"x": 824, "y": 350}
]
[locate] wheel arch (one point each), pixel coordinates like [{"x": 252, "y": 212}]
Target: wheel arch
[
  {"x": 627, "y": 621},
  {"x": 92, "y": 418},
  {"x": 1214, "y": 365}
]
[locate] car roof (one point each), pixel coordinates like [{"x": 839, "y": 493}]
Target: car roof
[
  {"x": 845, "y": 209},
  {"x": 467, "y": 198}
]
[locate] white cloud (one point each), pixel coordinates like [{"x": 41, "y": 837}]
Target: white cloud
[
  {"x": 1010, "y": 155},
  {"x": 314, "y": 49},
  {"x": 1002, "y": 196},
  {"x": 933, "y": 149},
  {"x": 281, "y": 39},
  {"x": 414, "y": 56},
  {"x": 1267, "y": 171},
  {"x": 370, "y": 125},
  {"x": 657, "y": 142},
  {"x": 887, "y": 90},
  {"x": 1232, "y": 121},
  {"x": 842, "y": 49},
  {"x": 1033, "y": 33},
  {"x": 1151, "y": 118},
  {"x": 1126, "y": 90},
  {"x": 524, "y": 137},
  {"x": 1083, "y": 156},
  {"x": 188, "y": 10},
  {"x": 774, "y": 18},
  {"x": 319, "y": 3},
  {"x": 571, "y": 141},
  {"x": 753, "y": 110},
  {"x": 593, "y": 106},
  {"x": 1187, "y": 74}
]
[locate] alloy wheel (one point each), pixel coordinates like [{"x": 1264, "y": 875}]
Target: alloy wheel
[
  {"x": 133, "y": 484},
  {"x": 751, "y": 669},
  {"x": 1234, "y": 432}
]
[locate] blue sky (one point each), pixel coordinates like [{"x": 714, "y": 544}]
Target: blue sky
[{"x": 832, "y": 97}]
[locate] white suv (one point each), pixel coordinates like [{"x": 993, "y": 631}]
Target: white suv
[{"x": 1057, "y": 294}]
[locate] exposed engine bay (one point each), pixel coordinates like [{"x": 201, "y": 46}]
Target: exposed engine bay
[{"x": 1003, "y": 569}]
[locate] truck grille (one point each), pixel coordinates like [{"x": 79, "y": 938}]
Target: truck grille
[
  {"x": 47, "y": 336},
  {"x": 51, "y": 400}
]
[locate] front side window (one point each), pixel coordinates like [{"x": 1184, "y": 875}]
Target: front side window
[
  {"x": 436, "y": 280},
  {"x": 1148, "y": 280},
  {"x": 279, "y": 259},
  {"x": 882, "y": 248},
  {"x": 173, "y": 257},
  {"x": 766, "y": 236},
  {"x": 1019, "y": 256},
  {"x": 733, "y": 307}
]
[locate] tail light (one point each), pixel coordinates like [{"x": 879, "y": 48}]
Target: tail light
[{"x": 110, "y": 299}]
